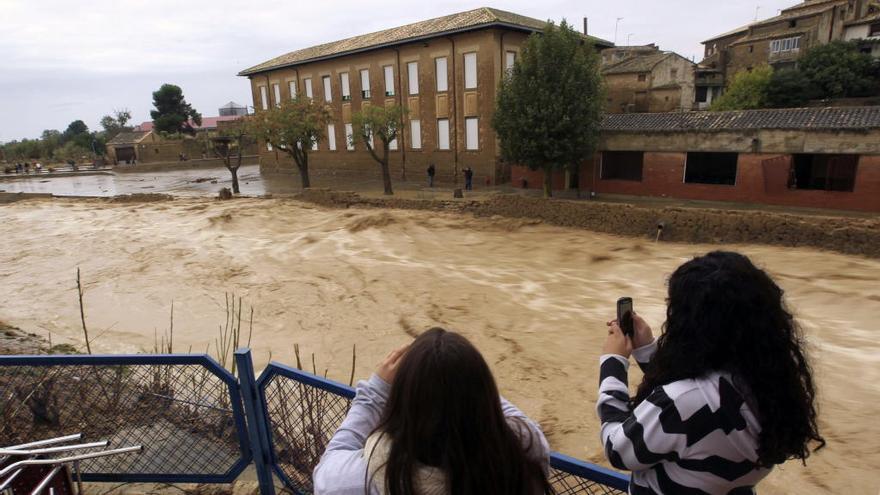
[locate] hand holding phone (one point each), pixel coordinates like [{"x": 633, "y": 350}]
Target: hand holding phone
[{"x": 625, "y": 316}]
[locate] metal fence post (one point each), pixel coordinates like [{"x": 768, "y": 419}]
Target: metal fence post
[{"x": 258, "y": 430}]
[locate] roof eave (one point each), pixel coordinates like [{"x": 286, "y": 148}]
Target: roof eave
[{"x": 517, "y": 27}]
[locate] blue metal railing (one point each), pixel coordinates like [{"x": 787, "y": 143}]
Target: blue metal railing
[
  {"x": 280, "y": 383},
  {"x": 197, "y": 422}
]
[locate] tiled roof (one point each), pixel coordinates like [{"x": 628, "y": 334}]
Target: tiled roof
[
  {"x": 851, "y": 118},
  {"x": 644, "y": 63},
  {"x": 800, "y": 10},
  {"x": 129, "y": 137},
  {"x": 462, "y": 21},
  {"x": 207, "y": 122},
  {"x": 865, "y": 20}
]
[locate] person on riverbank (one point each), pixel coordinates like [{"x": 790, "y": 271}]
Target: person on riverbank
[
  {"x": 468, "y": 179},
  {"x": 431, "y": 171},
  {"x": 728, "y": 392},
  {"x": 430, "y": 421}
]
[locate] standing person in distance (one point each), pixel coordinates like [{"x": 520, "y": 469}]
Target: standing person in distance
[
  {"x": 728, "y": 392},
  {"x": 431, "y": 172},
  {"x": 469, "y": 179}
]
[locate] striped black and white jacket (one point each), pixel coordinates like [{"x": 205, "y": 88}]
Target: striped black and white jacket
[{"x": 694, "y": 436}]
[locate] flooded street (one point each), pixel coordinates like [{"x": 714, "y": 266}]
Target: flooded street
[{"x": 533, "y": 298}]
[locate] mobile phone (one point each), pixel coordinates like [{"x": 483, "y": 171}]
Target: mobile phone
[{"x": 625, "y": 316}]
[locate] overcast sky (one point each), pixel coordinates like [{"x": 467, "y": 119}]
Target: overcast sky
[{"x": 65, "y": 60}]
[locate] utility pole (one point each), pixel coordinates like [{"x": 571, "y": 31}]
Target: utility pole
[
  {"x": 628, "y": 38},
  {"x": 615, "y": 28},
  {"x": 757, "y": 8}
]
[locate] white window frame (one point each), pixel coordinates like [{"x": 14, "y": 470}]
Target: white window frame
[
  {"x": 472, "y": 143},
  {"x": 412, "y": 77},
  {"x": 443, "y": 142},
  {"x": 346, "y": 86},
  {"x": 349, "y": 137},
  {"x": 331, "y": 137},
  {"x": 470, "y": 70},
  {"x": 307, "y": 82},
  {"x": 441, "y": 69},
  {"x": 415, "y": 133},
  {"x": 365, "y": 84},
  {"x": 509, "y": 60},
  {"x": 276, "y": 92},
  {"x": 392, "y": 145},
  {"x": 264, "y": 97},
  {"x": 388, "y": 71},
  {"x": 292, "y": 86},
  {"x": 328, "y": 88}
]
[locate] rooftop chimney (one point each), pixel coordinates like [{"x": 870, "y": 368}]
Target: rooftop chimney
[{"x": 585, "y": 26}]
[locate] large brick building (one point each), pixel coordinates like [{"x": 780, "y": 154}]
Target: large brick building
[
  {"x": 807, "y": 157},
  {"x": 445, "y": 71}
]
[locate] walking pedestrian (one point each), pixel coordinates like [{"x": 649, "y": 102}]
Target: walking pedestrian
[
  {"x": 431, "y": 172},
  {"x": 469, "y": 179}
]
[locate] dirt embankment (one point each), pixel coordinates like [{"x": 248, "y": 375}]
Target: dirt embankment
[{"x": 859, "y": 236}]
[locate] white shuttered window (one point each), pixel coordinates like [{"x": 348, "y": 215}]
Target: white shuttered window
[
  {"x": 328, "y": 91},
  {"x": 472, "y": 133},
  {"x": 365, "y": 83},
  {"x": 389, "y": 80},
  {"x": 331, "y": 137},
  {"x": 443, "y": 134},
  {"x": 470, "y": 70},
  {"x": 412, "y": 73},
  {"x": 349, "y": 136},
  {"x": 308, "y": 84},
  {"x": 346, "y": 87},
  {"x": 442, "y": 78},
  {"x": 415, "y": 128},
  {"x": 276, "y": 91},
  {"x": 264, "y": 97}
]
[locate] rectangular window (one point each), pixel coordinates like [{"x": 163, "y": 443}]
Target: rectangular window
[
  {"x": 673, "y": 74},
  {"x": 415, "y": 130},
  {"x": 331, "y": 137},
  {"x": 642, "y": 77},
  {"x": 443, "y": 134},
  {"x": 365, "y": 84},
  {"x": 509, "y": 60},
  {"x": 276, "y": 91},
  {"x": 622, "y": 165},
  {"x": 389, "y": 80},
  {"x": 470, "y": 70},
  {"x": 349, "y": 138},
  {"x": 442, "y": 77},
  {"x": 824, "y": 172},
  {"x": 412, "y": 76},
  {"x": 328, "y": 91},
  {"x": 346, "y": 89},
  {"x": 264, "y": 97},
  {"x": 785, "y": 45},
  {"x": 711, "y": 168},
  {"x": 292, "y": 85},
  {"x": 315, "y": 145},
  {"x": 874, "y": 30},
  {"x": 268, "y": 146},
  {"x": 308, "y": 84},
  {"x": 370, "y": 140},
  {"x": 472, "y": 133},
  {"x": 393, "y": 144}
]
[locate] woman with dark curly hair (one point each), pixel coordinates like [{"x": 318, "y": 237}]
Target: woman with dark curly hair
[{"x": 727, "y": 394}]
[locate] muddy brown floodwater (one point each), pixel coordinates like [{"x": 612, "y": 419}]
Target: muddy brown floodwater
[{"x": 533, "y": 298}]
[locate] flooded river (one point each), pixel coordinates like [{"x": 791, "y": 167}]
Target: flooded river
[{"x": 533, "y": 298}]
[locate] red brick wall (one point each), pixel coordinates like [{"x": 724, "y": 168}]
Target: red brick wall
[{"x": 663, "y": 176}]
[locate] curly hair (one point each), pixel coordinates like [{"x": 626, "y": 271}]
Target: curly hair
[{"x": 725, "y": 314}]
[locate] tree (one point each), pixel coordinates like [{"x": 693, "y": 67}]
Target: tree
[
  {"x": 747, "y": 90},
  {"x": 116, "y": 123},
  {"x": 229, "y": 146},
  {"x": 839, "y": 70},
  {"x": 383, "y": 122},
  {"x": 51, "y": 140},
  {"x": 549, "y": 107},
  {"x": 173, "y": 114},
  {"x": 788, "y": 88},
  {"x": 293, "y": 127}
]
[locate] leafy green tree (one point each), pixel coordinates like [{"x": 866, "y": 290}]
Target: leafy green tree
[
  {"x": 385, "y": 123},
  {"x": 173, "y": 114},
  {"x": 71, "y": 151},
  {"x": 293, "y": 128},
  {"x": 788, "y": 88},
  {"x": 549, "y": 107},
  {"x": 51, "y": 140},
  {"x": 747, "y": 90},
  {"x": 116, "y": 123},
  {"x": 839, "y": 70},
  {"x": 229, "y": 146}
]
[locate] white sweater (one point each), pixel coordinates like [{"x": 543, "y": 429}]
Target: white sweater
[{"x": 695, "y": 436}]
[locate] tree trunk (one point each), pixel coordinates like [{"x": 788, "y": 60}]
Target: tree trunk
[
  {"x": 301, "y": 158},
  {"x": 386, "y": 177},
  {"x": 234, "y": 171},
  {"x": 548, "y": 182}
]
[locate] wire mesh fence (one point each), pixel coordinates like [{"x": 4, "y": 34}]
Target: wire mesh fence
[
  {"x": 185, "y": 411},
  {"x": 303, "y": 411}
]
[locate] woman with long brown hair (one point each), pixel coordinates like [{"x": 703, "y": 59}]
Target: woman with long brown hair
[{"x": 430, "y": 421}]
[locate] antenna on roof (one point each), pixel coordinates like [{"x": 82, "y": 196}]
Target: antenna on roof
[{"x": 757, "y": 8}]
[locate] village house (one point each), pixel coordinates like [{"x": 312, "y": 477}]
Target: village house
[
  {"x": 780, "y": 40},
  {"x": 444, "y": 71},
  {"x": 801, "y": 157},
  {"x": 615, "y": 54},
  {"x": 649, "y": 81}
]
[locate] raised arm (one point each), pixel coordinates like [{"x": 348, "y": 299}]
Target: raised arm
[{"x": 533, "y": 440}]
